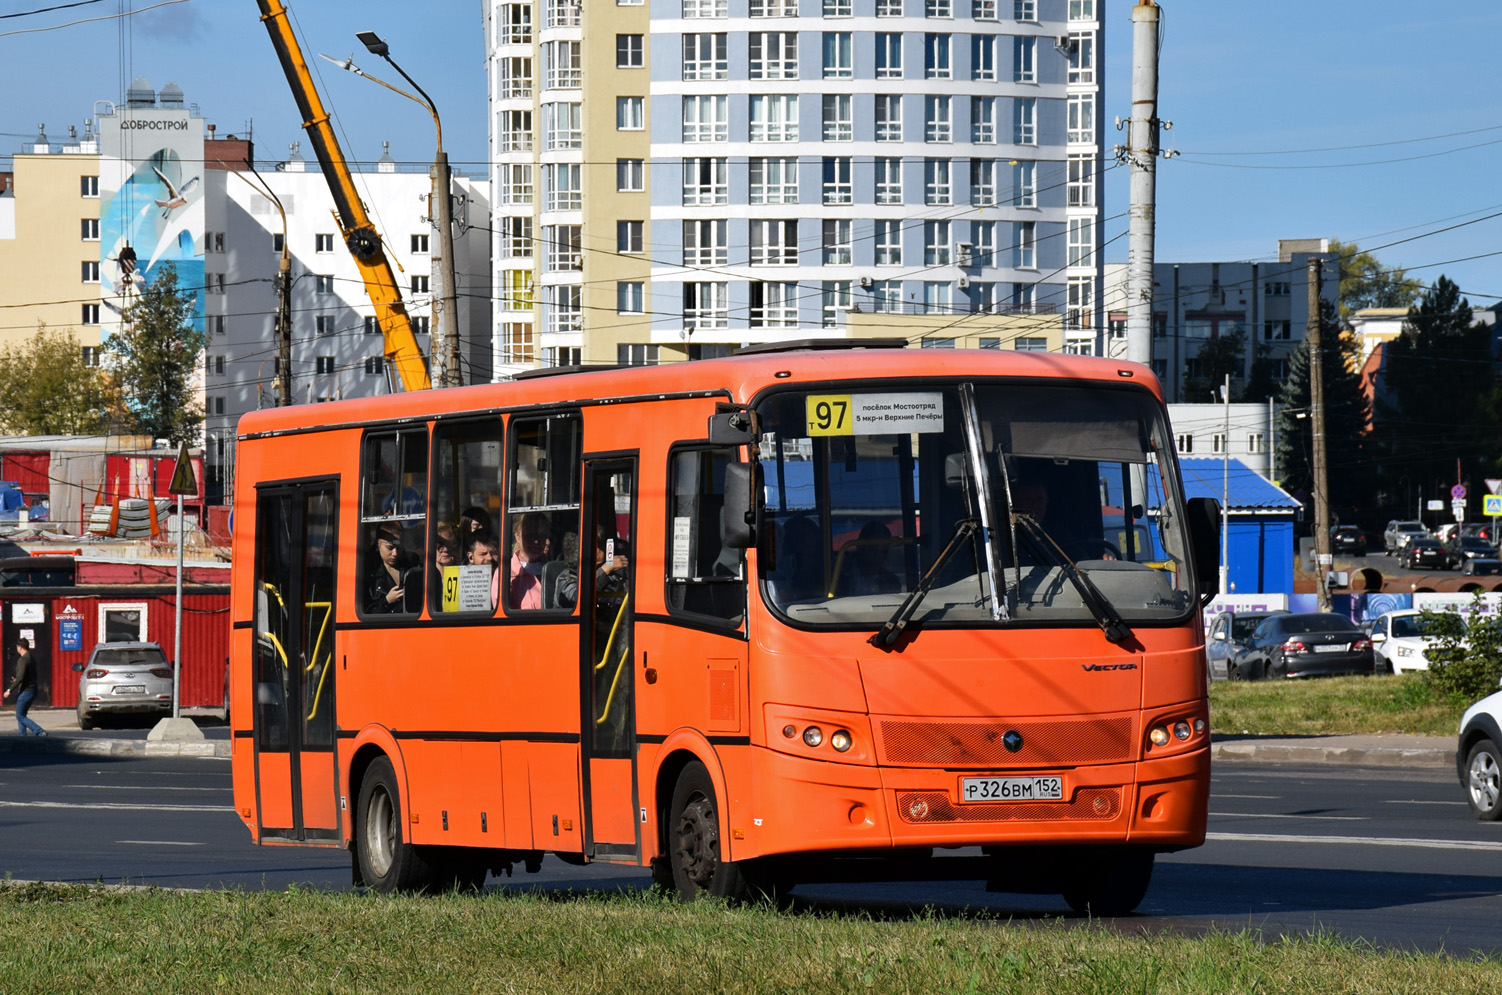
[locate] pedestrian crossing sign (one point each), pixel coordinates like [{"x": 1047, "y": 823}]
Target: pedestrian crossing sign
[{"x": 1491, "y": 504}]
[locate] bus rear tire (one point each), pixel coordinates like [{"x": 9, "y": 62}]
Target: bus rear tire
[
  {"x": 694, "y": 843},
  {"x": 1109, "y": 882},
  {"x": 387, "y": 862}
]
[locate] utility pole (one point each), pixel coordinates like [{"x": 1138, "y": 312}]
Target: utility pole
[
  {"x": 284, "y": 323},
  {"x": 1225, "y": 491},
  {"x": 1322, "y": 557},
  {"x": 1141, "y": 155},
  {"x": 443, "y": 219}
]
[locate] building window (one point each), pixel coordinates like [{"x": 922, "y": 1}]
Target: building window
[
  {"x": 834, "y": 298},
  {"x": 636, "y": 354},
  {"x": 937, "y": 120},
  {"x": 562, "y": 186},
  {"x": 1277, "y": 330},
  {"x": 705, "y": 182},
  {"x": 888, "y": 8},
  {"x": 983, "y": 183},
  {"x": 277, "y": 241},
  {"x": 1024, "y": 121},
  {"x": 937, "y": 188},
  {"x": 983, "y": 10},
  {"x": 419, "y": 243},
  {"x": 371, "y": 327},
  {"x": 838, "y": 62},
  {"x": 90, "y": 271},
  {"x": 514, "y": 25},
  {"x": 90, "y": 314},
  {"x": 1024, "y": 10},
  {"x": 838, "y": 8},
  {"x": 630, "y": 114},
  {"x": 774, "y": 55},
  {"x": 1024, "y": 249},
  {"x": 1081, "y": 181},
  {"x": 516, "y": 131},
  {"x": 323, "y": 243},
  {"x": 1022, "y": 296},
  {"x": 706, "y": 306},
  {"x": 935, "y": 342},
  {"x": 705, "y": 56},
  {"x": 889, "y": 117},
  {"x": 1218, "y": 443},
  {"x": 938, "y": 8},
  {"x": 705, "y": 9},
  {"x": 518, "y": 344},
  {"x": 1082, "y": 57},
  {"x": 323, "y": 324},
  {"x": 936, "y": 243},
  {"x": 90, "y": 355},
  {"x": 838, "y": 119},
  {"x": 983, "y": 120},
  {"x": 421, "y": 324},
  {"x": 773, "y": 181},
  {"x": 216, "y": 324},
  {"x": 1081, "y": 118},
  {"x": 983, "y": 57},
  {"x": 706, "y": 243},
  {"x": 562, "y": 14},
  {"x": 517, "y": 292},
  {"x": 323, "y": 283},
  {"x": 888, "y": 242},
  {"x": 1081, "y": 241},
  {"x": 630, "y": 297},
  {"x": 886, "y": 296},
  {"x": 565, "y": 247},
  {"x": 774, "y": 8},
  {"x": 837, "y": 188},
  {"x": 629, "y": 236},
  {"x": 1080, "y": 303},
  {"x": 323, "y": 365},
  {"x": 630, "y": 175},
  {"x": 706, "y": 119},
  {"x": 516, "y": 236},
  {"x": 1276, "y": 288},
  {"x": 565, "y": 311},
  {"x": 1082, "y": 10},
  {"x": 774, "y": 305},
  {"x": 774, "y": 243},
  {"x": 375, "y": 366},
  {"x": 628, "y": 51},
  {"x": 936, "y": 56},
  {"x": 563, "y": 65},
  {"x": 516, "y": 184},
  {"x": 888, "y": 180},
  {"x": 774, "y": 117},
  {"x": 1024, "y": 184},
  {"x": 562, "y": 125},
  {"x": 1024, "y": 59},
  {"x": 419, "y": 283},
  {"x": 837, "y": 242},
  {"x": 88, "y": 186},
  {"x": 983, "y": 239},
  {"x": 889, "y": 55},
  {"x": 516, "y": 78},
  {"x": 89, "y": 229},
  {"x": 1030, "y": 343}
]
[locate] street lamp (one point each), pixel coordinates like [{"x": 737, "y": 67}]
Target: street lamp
[{"x": 446, "y": 327}]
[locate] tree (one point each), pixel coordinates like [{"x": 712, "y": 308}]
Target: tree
[
  {"x": 1364, "y": 282},
  {"x": 1440, "y": 403},
  {"x": 1348, "y": 471},
  {"x": 1218, "y": 358},
  {"x": 1260, "y": 384},
  {"x": 47, "y": 388},
  {"x": 156, "y": 353}
]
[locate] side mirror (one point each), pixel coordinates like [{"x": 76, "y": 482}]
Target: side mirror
[
  {"x": 1220, "y": 634},
  {"x": 78, "y": 668},
  {"x": 1203, "y": 514},
  {"x": 1379, "y": 637},
  {"x": 732, "y": 427},
  {"x": 742, "y": 481}
]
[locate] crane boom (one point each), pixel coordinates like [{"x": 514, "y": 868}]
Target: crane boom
[{"x": 359, "y": 233}]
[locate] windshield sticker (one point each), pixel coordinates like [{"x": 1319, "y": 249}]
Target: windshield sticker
[
  {"x": 875, "y": 414},
  {"x": 683, "y": 529}
]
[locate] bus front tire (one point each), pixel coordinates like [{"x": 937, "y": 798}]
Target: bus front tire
[
  {"x": 1109, "y": 882},
  {"x": 387, "y": 862},
  {"x": 694, "y": 844}
]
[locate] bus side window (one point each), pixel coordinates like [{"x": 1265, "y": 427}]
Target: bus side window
[
  {"x": 704, "y": 576},
  {"x": 542, "y": 510},
  {"x": 466, "y": 511},
  {"x": 393, "y": 502}
]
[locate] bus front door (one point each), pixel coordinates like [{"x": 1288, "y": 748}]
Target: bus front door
[
  {"x": 606, "y": 653},
  {"x": 296, "y": 551}
]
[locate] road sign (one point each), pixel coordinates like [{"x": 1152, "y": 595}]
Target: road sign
[
  {"x": 183, "y": 482},
  {"x": 1491, "y": 504},
  {"x": 1494, "y": 484},
  {"x": 1435, "y": 505},
  {"x": 1458, "y": 492}
]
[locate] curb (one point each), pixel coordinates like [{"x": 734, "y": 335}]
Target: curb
[
  {"x": 55, "y": 744},
  {"x": 1307, "y": 753}
]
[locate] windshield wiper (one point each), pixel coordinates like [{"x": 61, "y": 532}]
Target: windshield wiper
[
  {"x": 1111, "y": 622},
  {"x": 888, "y": 634}
]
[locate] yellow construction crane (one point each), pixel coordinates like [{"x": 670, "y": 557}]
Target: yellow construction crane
[{"x": 359, "y": 234}]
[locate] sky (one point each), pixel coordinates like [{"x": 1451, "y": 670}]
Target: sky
[{"x": 1370, "y": 121}]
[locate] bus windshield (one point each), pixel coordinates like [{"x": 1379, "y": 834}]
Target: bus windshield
[{"x": 1068, "y": 514}]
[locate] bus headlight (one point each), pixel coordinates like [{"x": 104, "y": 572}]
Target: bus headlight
[
  {"x": 1158, "y": 735},
  {"x": 813, "y": 735},
  {"x": 1181, "y": 731},
  {"x": 840, "y": 740}
]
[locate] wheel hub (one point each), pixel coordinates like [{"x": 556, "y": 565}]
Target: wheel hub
[
  {"x": 380, "y": 833},
  {"x": 1484, "y": 781},
  {"x": 699, "y": 842}
]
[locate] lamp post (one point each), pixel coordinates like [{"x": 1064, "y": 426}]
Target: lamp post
[{"x": 446, "y": 327}]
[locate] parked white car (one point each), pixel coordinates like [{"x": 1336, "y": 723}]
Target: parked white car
[
  {"x": 1400, "y": 643},
  {"x": 1478, "y": 757}
]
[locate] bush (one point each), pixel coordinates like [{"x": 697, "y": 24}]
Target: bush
[{"x": 1465, "y": 660}]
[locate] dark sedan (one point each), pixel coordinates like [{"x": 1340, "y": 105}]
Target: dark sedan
[
  {"x": 1423, "y": 553},
  {"x": 1348, "y": 539},
  {"x": 1463, "y": 547},
  {"x": 1310, "y": 644},
  {"x": 1481, "y": 568}
]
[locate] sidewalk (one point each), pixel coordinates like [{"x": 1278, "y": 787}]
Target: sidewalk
[{"x": 64, "y": 736}]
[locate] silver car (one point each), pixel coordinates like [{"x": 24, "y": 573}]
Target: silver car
[{"x": 123, "y": 679}]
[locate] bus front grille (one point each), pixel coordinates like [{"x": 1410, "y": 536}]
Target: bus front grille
[
  {"x": 1046, "y": 743},
  {"x": 927, "y": 807}
]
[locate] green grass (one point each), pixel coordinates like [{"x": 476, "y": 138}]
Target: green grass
[
  {"x": 1333, "y": 706},
  {"x": 80, "y": 939}
]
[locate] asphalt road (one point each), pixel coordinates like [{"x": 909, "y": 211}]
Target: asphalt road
[{"x": 1389, "y": 856}]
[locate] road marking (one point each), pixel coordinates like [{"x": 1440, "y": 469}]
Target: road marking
[
  {"x": 142, "y": 787},
  {"x": 157, "y": 843},
  {"x": 1261, "y": 798},
  {"x": 118, "y": 807},
  {"x": 1278, "y": 815},
  {"x": 1358, "y": 840},
  {"x": 1417, "y": 801}
]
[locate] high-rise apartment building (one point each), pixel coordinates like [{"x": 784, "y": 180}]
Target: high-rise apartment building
[{"x": 675, "y": 177}]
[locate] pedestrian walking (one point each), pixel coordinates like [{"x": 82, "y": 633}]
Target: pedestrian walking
[{"x": 24, "y": 687}]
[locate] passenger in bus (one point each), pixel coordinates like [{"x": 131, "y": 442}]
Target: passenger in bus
[
  {"x": 473, "y": 523},
  {"x": 485, "y": 551},
  {"x": 529, "y": 551},
  {"x": 865, "y": 563},
  {"x": 799, "y": 574},
  {"x": 610, "y": 575},
  {"x": 385, "y": 588},
  {"x": 563, "y": 575}
]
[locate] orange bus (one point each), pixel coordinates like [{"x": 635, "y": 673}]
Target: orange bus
[{"x": 812, "y": 612}]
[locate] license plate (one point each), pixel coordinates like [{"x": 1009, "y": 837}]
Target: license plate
[
  {"x": 131, "y": 689},
  {"x": 1011, "y": 789},
  {"x": 1333, "y": 648}
]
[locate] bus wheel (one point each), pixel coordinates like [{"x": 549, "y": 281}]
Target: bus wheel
[
  {"x": 694, "y": 841},
  {"x": 387, "y": 861},
  {"x": 1109, "y": 882}
]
